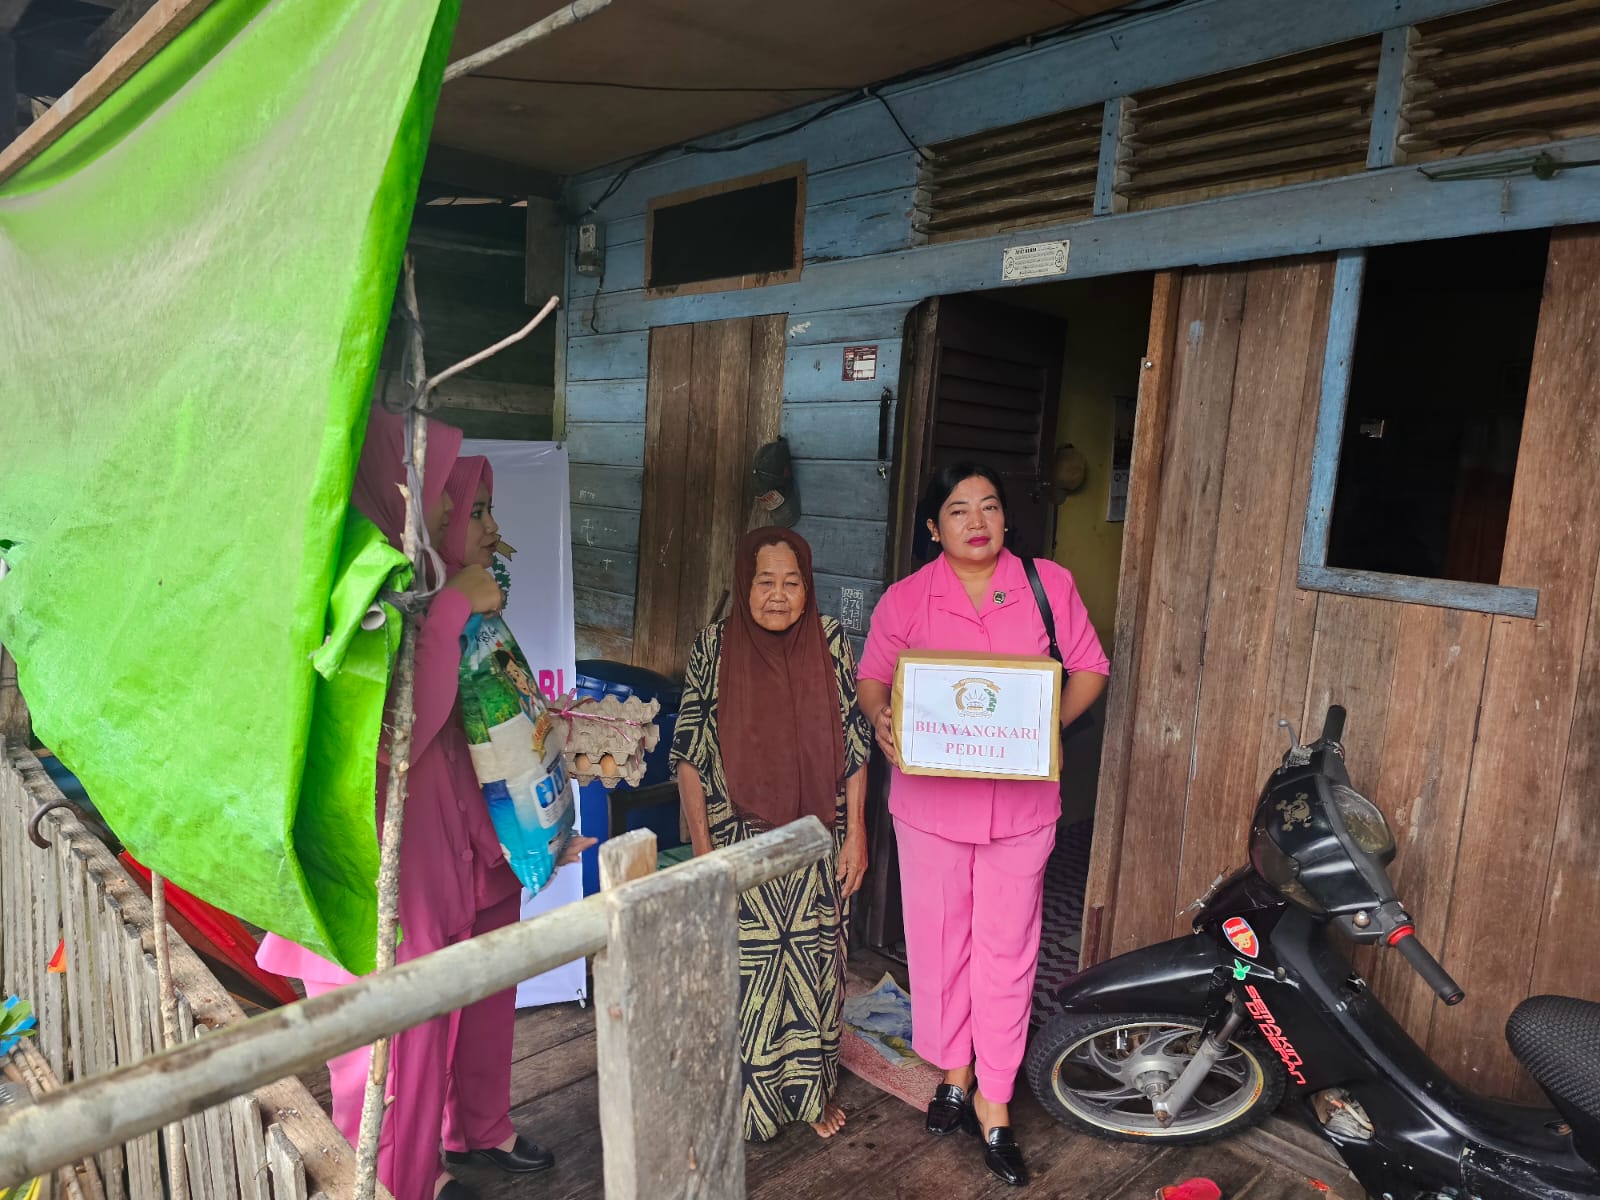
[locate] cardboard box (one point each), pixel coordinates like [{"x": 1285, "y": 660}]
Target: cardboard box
[{"x": 971, "y": 716}]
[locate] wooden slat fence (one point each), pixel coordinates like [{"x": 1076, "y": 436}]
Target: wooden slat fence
[{"x": 104, "y": 1012}]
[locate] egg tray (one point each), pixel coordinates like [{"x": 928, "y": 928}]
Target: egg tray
[{"x": 608, "y": 739}]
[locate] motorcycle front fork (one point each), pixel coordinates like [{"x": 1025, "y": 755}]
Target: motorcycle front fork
[{"x": 1169, "y": 1103}]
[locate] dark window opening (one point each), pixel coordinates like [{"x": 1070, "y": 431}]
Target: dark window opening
[
  {"x": 1444, "y": 350},
  {"x": 728, "y": 235}
]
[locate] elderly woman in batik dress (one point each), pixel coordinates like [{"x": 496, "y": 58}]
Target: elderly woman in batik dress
[{"x": 769, "y": 732}]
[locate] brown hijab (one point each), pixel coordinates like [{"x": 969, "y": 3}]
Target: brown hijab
[{"x": 778, "y": 720}]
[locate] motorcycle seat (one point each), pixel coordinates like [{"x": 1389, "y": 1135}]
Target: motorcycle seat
[{"x": 1557, "y": 1039}]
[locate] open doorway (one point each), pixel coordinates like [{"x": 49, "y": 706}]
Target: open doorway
[{"x": 1038, "y": 382}]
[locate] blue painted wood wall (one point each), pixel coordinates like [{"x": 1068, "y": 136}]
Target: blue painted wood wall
[{"x": 864, "y": 271}]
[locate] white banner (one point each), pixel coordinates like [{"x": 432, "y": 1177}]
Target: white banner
[{"x": 531, "y": 505}]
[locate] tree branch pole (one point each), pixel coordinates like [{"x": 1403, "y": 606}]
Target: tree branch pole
[
  {"x": 578, "y": 10},
  {"x": 374, "y": 1100},
  {"x": 177, "y": 1166}
]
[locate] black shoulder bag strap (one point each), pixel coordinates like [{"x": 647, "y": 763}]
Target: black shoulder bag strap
[{"x": 1045, "y": 611}]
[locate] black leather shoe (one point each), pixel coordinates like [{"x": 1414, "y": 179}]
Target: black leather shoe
[
  {"x": 456, "y": 1190},
  {"x": 524, "y": 1158},
  {"x": 1003, "y": 1156},
  {"x": 969, "y": 1121},
  {"x": 948, "y": 1109}
]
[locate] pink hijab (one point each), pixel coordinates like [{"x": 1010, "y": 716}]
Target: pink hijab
[
  {"x": 381, "y": 471},
  {"x": 462, "y": 485}
]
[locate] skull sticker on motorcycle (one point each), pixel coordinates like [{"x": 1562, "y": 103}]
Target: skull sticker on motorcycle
[{"x": 1297, "y": 813}]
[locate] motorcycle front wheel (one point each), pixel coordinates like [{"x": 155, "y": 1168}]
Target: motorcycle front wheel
[{"x": 1098, "y": 1074}]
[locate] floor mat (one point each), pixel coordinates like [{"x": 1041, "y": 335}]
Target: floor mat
[
  {"x": 893, "y": 1067},
  {"x": 1065, "y": 878}
]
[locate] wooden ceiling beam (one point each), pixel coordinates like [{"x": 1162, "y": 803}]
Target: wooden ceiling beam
[
  {"x": 154, "y": 30},
  {"x": 480, "y": 175}
]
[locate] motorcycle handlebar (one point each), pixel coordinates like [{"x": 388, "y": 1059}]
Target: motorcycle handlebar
[
  {"x": 1333, "y": 724},
  {"x": 1404, "y": 940}
]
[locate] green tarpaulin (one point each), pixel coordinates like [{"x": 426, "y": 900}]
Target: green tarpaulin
[{"x": 194, "y": 287}]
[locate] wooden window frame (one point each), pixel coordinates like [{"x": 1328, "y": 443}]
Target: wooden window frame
[
  {"x": 730, "y": 283},
  {"x": 1314, "y": 572}
]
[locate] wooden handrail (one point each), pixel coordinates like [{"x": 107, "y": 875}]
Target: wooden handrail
[{"x": 112, "y": 1108}]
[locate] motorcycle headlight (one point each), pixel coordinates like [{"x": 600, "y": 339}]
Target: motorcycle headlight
[
  {"x": 1283, "y": 872},
  {"x": 1364, "y": 822}
]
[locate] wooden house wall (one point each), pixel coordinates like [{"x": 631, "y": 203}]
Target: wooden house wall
[
  {"x": 831, "y": 425},
  {"x": 863, "y": 268},
  {"x": 1470, "y": 731},
  {"x": 1473, "y": 733}
]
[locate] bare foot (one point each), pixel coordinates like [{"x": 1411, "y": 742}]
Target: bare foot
[{"x": 832, "y": 1121}]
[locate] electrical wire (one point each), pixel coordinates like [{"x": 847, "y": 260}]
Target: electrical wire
[
  {"x": 1085, "y": 25},
  {"x": 922, "y": 151},
  {"x": 872, "y": 92},
  {"x": 660, "y": 87},
  {"x": 695, "y": 148}
]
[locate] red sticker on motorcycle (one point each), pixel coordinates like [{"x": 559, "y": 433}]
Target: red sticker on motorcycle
[
  {"x": 1242, "y": 936},
  {"x": 1273, "y": 1032}
]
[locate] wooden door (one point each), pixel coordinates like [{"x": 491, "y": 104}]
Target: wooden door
[
  {"x": 982, "y": 382},
  {"x": 715, "y": 395},
  {"x": 985, "y": 386}
]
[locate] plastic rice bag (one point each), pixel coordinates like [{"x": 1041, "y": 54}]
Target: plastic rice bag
[{"x": 516, "y": 748}]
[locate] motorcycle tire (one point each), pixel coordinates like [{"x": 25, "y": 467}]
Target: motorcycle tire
[{"x": 1131, "y": 1051}]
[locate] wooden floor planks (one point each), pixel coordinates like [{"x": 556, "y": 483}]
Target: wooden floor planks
[{"x": 882, "y": 1154}]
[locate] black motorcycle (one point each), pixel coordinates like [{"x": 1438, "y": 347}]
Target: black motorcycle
[{"x": 1201, "y": 1037}]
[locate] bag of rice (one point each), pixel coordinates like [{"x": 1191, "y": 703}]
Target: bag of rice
[{"x": 516, "y": 750}]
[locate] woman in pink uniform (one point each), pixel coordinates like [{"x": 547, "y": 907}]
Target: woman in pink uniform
[
  {"x": 450, "y": 1077},
  {"x": 973, "y": 851}
]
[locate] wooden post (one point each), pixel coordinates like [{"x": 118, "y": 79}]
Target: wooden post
[
  {"x": 1115, "y": 129},
  {"x": 674, "y": 909},
  {"x": 16, "y": 726},
  {"x": 667, "y": 1028},
  {"x": 173, "y": 1136},
  {"x": 1133, "y": 587},
  {"x": 627, "y": 857},
  {"x": 8, "y": 89},
  {"x": 544, "y": 252}
]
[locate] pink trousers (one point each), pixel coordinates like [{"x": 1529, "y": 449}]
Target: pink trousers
[
  {"x": 972, "y": 915},
  {"x": 449, "y": 1077}
]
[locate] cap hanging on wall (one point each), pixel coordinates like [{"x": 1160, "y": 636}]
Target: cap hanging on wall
[
  {"x": 1068, "y": 472},
  {"x": 776, "y": 493}
]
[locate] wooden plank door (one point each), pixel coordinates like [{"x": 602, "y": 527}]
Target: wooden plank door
[
  {"x": 985, "y": 386},
  {"x": 715, "y": 395},
  {"x": 1211, "y": 630}
]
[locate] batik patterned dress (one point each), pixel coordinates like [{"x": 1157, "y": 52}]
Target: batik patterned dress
[{"x": 792, "y": 930}]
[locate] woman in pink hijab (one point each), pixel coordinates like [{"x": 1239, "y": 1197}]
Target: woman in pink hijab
[{"x": 450, "y": 1078}]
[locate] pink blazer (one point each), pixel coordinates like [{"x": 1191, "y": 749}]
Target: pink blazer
[{"x": 930, "y": 611}]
